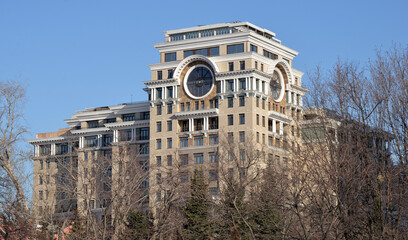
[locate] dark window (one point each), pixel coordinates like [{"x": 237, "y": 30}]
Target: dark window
[
  {"x": 198, "y": 141},
  {"x": 170, "y": 73},
  {"x": 158, "y": 160},
  {"x": 169, "y": 57},
  {"x": 242, "y": 118},
  {"x": 91, "y": 141},
  {"x": 230, "y": 102},
  {"x": 237, "y": 48},
  {"x": 182, "y": 107},
  {"x": 183, "y": 142},
  {"x": 159, "y": 75},
  {"x": 242, "y": 65},
  {"x": 169, "y": 142},
  {"x": 213, "y": 139},
  {"x": 158, "y": 144},
  {"x": 230, "y": 85},
  {"x": 230, "y": 120},
  {"x": 159, "y": 93},
  {"x": 213, "y": 157},
  {"x": 169, "y": 126},
  {"x": 184, "y": 159},
  {"x": 213, "y": 175},
  {"x": 231, "y": 66},
  {"x": 93, "y": 124},
  {"x": 170, "y": 92},
  {"x": 270, "y": 55},
  {"x": 188, "y": 106},
  {"x": 197, "y": 106},
  {"x": 110, "y": 120},
  {"x": 214, "y": 51},
  {"x": 242, "y": 84},
  {"x": 169, "y": 160},
  {"x": 159, "y": 126},
  {"x": 125, "y": 135},
  {"x": 230, "y": 137},
  {"x": 242, "y": 136},
  {"x": 159, "y": 109},
  {"x": 254, "y": 48},
  {"x": 241, "y": 101},
  {"x": 202, "y": 104},
  {"x": 169, "y": 108},
  {"x": 198, "y": 158},
  {"x": 128, "y": 117},
  {"x": 257, "y": 119}
]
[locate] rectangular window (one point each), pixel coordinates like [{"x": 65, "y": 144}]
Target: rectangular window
[
  {"x": 41, "y": 180},
  {"x": 144, "y": 148},
  {"x": 242, "y": 84},
  {"x": 40, "y": 194},
  {"x": 169, "y": 142},
  {"x": 263, "y": 103},
  {"x": 169, "y": 108},
  {"x": 198, "y": 141},
  {"x": 158, "y": 160},
  {"x": 169, "y": 57},
  {"x": 169, "y": 126},
  {"x": 48, "y": 164},
  {"x": 262, "y": 67},
  {"x": 270, "y": 55},
  {"x": 197, "y": 106},
  {"x": 270, "y": 141},
  {"x": 159, "y": 75},
  {"x": 242, "y": 101},
  {"x": 93, "y": 124},
  {"x": 214, "y": 191},
  {"x": 230, "y": 85},
  {"x": 158, "y": 144},
  {"x": 231, "y": 66},
  {"x": 230, "y": 120},
  {"x": 159, "y": 109},
  {"x": 158, "y": 196},
  {"x": 182, "y": 107},
  {"x": 183, "y": 142},
  {"x": 107, "y": 139},
  {"x": 221, "y": 31},
  {"x": 169, "y": 160},
  {"x": 170, "y": 73},
  {"x": 257, "y": 137},
  {"x": 45, "y": 150},
  {"x": 202, "y": 105},
  {"x": 188, "y": 106},
  {"x": 236, "y": 48},
  {"x": 191, "y": 35},
  {"x": 230, "y": 137},
  {"x": 257, "y": 119},
  {"x": 257, "y": 102},
  {"x": 213, "y": 139},
  {"x": 213, "y": 175},
  {"x": 263, "y": 121},
  {"x": 159, "y": 93},
  {"x": 242, "y": 136},
  {"x": 263, "y": 138},
  {"x": 256, "y": 65},
  {"x": 242, "y": 118},
  {"x": 128, "y": 117},
  {"x": 184, "y": 159},
  {"x": 214, "y": 51},
  {"x": 176, "y": 37},
  {"x": 242, "y": 65},
  {"x": 159, "y": 126},
  {"x": 91, "y": 141},
  {"x": 230, "y": 102},
  {"x": 198, "y": 158},
  {"x": 254, "y": 48},
  {"x": 213, "y": 157},
  {"x": 207, "y": 33}
]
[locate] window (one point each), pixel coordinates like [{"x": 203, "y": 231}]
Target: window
[
  {"x": 221, "y": 31},
  {"x": 145, "y": 115},
  {"x": 41, "y": 164},
  {"x": 91, "y": 141},
  {"x": 257, "y": 102},
  {"x": 182, "y": 107},
  {"x": 202, "y": 104},
  {"x": 242, "y": 65},
  {"x": 169, "y": 126},
  {"x": 213, "y": 157},
  {"x": 254, "y": 48},
  {"x": 236, "y": 48},
  {"x": 184, "y": 159},
  {"x": 213, "y": 175},
  {"x": 183, "y": 142},
  {"x": 263, "y": 121},
  {"x": 45, "y": 150},
  {"x": 159, "y": 93},
  {"x": 176, "y": 37},
  {"x": 214, "y": 51},
  {"x": 40, "y": 195},
  {"x": 158, "y": 144},
  {"x": 230, "y": 137},
  {"x": 198, "y": 158},
  {"x": 158, "y": 160},
  {"x": 169, "y": 108},
  {"x": 230, "y": 85},
  {"x": 198, "y": 141},
  {"x": 159, "y": 75},
  {"x": 242, "y": 118},
  {"x": 263, "y": 138},
  {"x": 170, "y": 73},
  {"x": 184, "y": 177},
  {"x": 107, "y": 139},
  {"x": 158, "y": 178},
  {"x": 188, "y": 106},
  {"x": 125, "y": 135},
  {"x": 262, "y": 67},
  {"x": 242, "y": 136},
  {"x": 270, "y": 55},
  {"x": 169, "y": 57},
  {"x": 241, "y": 101},
  {"x": 93, "y": 124},
  {"x": 256, "y": 65},
  {"x": 169, "y": 142},
  {"x": 197, "y": 106},
  {"x": 41, "y": 180},
  {"x": 159, "y": 126},
  {"x": 231, "y": 66},
  {"x": 242, "y": 84},
  {"x": 213, "y": 139},
  {"x": 230, "y": 120},
  {"x": 128, "y": 117},
  {"x": 257, "y": 137},
  {"x": 270, "y": 141},
  {"x": 214, "y": 191},
  {"x": 257, "y": 119},
  {"x": 169, "y": 160},
  {"x": 48, "y": 164},
  {"x": 214, "y": 103},
  {"x": 230, "y": 102},
  {"x": 191, "y": 35},
  {"x": 158, "y": 196},
  {"x": 159, "y": 109},
  {"x": 242, "y": 154},
  {"x": 230, "y": 156}
]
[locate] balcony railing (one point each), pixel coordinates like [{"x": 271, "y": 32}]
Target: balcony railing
[{"x": 213, "y": 126}]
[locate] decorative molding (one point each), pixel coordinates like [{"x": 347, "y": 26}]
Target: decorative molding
[{"x": 198, "y": 113}]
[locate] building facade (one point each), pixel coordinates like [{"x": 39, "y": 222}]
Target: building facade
[{"x": 231, "y": 81}]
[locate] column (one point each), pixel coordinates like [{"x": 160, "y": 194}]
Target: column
[
  {"x": 37, "y": 150},
  {"x": 81, "y": 142},
  {"x": 253, "y": 83},
  {"x": 190, "y": 124},
  {"x": 205, "y": 123},
  {"x": 280, "y": 128},
  {"x": 247, "y": 83},
  {"x": 153, "y": 93},
  {"x": 115, "y": 136},
  {"x": 133, "y": 134},
  {"x": 164, "y": 90},
  {"x": 99, "y": 140},
  {"x": 53, "y": 149},
  {"x": 301, "y": 100},
  {"x": 273, "y": 125},
  {"x": 289, "y": 97}
]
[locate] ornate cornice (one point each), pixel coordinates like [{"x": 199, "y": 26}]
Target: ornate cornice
[
  {"x": 280, "y": 116},
  {"x": 199, "y": 113},
  {"x": 156, "y": 83}
]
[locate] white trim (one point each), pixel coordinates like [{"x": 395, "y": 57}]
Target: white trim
[{"x": 186, "y": 78}]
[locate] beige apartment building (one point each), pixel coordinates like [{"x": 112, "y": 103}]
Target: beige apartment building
[{"x": 229, "y": 80}]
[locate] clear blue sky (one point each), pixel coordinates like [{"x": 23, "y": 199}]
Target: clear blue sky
[{"x": 78, "y": 54}]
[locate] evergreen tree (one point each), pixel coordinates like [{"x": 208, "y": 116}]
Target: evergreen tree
[
  {"x": 196, "y": 212},
  {"x": 77, "y": 230},
  {"x": 139, "y": 225}
]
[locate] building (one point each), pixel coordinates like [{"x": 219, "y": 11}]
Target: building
[{"x": 230, "y": 79}]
